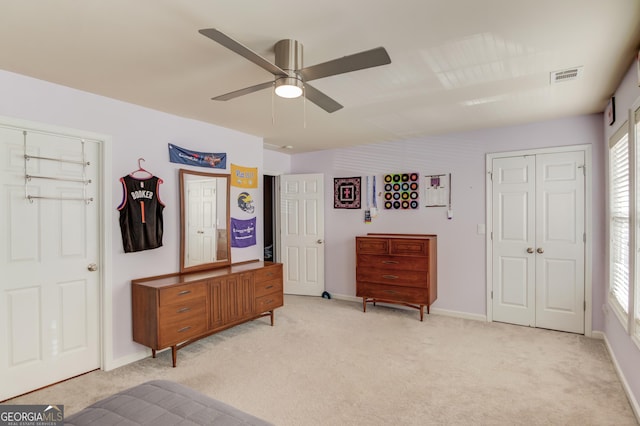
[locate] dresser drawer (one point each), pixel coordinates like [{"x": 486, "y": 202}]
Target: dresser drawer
[
  {"x": 401, "y": 294},
  {"x": 267, "y": 287},
  {"x": 372, "y": 245},
  {"x": 404, "y": 263},
  {"x": 408, "y": 247},
  {"x": 267, "y": 274},
  {"x": 182, "y": 292},
  {"x": 181, "y": 324},
  {"x": 394, "y": 277},
  {"x": 184, "y": 310},
  {"x": 269, "y": 302}
]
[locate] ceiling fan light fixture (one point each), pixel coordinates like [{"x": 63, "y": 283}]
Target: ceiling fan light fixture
[{"x": 289, "y": 87}]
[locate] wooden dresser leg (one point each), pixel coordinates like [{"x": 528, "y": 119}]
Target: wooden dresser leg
[
  {"x": 174, "y": 355},
  {"x": 153, "y": 353},
  {"x": 271, "y": 318},
  {"x": 422, "y": 312},
  {"x": 364, "y": 304}
]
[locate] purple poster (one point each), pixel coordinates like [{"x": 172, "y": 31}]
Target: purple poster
[{"x": 243, "y": 232}]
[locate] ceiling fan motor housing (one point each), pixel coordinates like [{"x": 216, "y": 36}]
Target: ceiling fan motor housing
[{"x": 289, "y": 56}]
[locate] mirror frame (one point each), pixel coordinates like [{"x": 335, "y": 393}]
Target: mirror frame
[{"x": 183, "y": 221}]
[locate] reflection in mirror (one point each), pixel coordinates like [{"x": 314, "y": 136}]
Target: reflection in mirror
[{"x": 204, "y": 220}]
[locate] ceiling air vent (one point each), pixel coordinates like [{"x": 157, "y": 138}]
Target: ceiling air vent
[{"x": 566, "y": 75}]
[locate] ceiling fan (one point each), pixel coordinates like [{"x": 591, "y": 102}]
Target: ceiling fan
[{"x": 290, "y": 76}]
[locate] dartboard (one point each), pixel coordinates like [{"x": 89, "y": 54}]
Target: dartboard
[{"x": 401, "y": 191}]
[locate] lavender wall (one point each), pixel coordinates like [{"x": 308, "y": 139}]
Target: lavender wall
[
  {"x": 134, "y": 132},
  {"x": 461, "y": 250}
]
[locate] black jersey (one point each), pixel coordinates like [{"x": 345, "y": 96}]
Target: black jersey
[{"x": 141, "y": 213}]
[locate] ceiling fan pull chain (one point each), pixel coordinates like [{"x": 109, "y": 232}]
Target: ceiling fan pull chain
[{"x": 273, "y": 107}]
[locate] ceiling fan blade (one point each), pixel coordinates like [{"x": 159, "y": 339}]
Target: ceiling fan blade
[
  {"x": 320, "y": 99},
  {"x": 245, "y": 91},
  {"x": 357, "y": 61},
  {"x": 241, "y": 50}
]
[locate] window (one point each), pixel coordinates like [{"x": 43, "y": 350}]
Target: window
[{"x": 619, "y": 231}]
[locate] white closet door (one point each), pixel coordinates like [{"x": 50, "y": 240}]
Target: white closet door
[{"x": 538, "y": 222}]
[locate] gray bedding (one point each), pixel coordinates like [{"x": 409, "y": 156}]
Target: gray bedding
[{"x": 161, "y": 402}]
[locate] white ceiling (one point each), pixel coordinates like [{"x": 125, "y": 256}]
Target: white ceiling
[{"x": 456, "y": 65}]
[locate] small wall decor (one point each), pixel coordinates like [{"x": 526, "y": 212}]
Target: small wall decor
[
  {"x": 243, "y": 232},
  {"x": 401, "y": 191},
  {"x": 245, "y": 202},
  {"x": 244, "y": 177},
  {"x": 346, "y": 193},
  {"x": 216, "y": 160},
  {"x": 437, "y": 190},
  {"x": 610, "y": 111}
]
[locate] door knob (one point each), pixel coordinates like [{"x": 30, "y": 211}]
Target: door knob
[
  {"x": 92, "y": 267},
  {"x": 319, "y": 241},
  {"x": 530, "y": 250},
  {"x": 540, "y": 250}
]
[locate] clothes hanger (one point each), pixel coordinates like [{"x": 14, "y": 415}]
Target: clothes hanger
[{"x": 141, "y": 169}]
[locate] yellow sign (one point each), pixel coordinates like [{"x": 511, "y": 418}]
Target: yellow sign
[{"x": 244, "y": 177}]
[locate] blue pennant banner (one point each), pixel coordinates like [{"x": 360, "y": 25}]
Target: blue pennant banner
[{"x": 215, "y": 160}]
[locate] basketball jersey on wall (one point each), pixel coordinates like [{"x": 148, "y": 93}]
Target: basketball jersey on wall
[{"x": 141, "y": 220}]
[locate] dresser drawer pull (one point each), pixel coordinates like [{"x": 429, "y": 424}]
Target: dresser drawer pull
[
  {"x": 183, "y": 329},
  {"x": 183, "y": 292},
  {"x": 391, "y": 292},
  {"x": 268, "y": 287},
  {"x": 267, "y": 302},
  {"x": 390, "y": 277},
  {"x": 181, "y": 310},
  {"x": 390, "y": 262}
]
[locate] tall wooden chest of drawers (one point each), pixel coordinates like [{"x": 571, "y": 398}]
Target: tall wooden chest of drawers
[
  {"x": 397, "y": 268},
  {"x": 177, "y": 309}
]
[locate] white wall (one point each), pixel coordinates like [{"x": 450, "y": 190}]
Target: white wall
[
  {"x": 461, "y": 250},
  {"x": 625, "y": 352},
  {"x": 134, "y": 132}
]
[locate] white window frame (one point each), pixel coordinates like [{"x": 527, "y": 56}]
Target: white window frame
[{"x": 620, "y": 263}]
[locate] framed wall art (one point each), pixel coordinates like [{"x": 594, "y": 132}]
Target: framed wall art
[{"x": 346, "y": 192}]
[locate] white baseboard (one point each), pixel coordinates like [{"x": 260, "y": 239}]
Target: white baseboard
[
  {"x": 435, "y": 311},
  {"x": 122, "y": 361},
  {"x": 627, "y": 390}
]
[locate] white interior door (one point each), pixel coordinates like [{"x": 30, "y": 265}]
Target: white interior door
[
  {"x": 514, "y": 240},
  {"x": 302, "y": 232},
  {"x": 560, "y": 241},
  {"x": 538, "y": 245},
  {"x": 49, "y": 292}
]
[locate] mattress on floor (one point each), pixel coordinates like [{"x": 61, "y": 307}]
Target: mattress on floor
[{"x": 161, "y": 402}]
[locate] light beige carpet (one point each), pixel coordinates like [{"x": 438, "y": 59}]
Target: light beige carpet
[{"x": 327, "y": 363}]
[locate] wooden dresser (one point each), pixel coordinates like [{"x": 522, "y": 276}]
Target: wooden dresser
[
  {"x": 177, "y": 309},
  {"x": 397, "y": 268}
]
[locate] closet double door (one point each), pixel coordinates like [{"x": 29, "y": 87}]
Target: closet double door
[{"x": 538, "y": 240}]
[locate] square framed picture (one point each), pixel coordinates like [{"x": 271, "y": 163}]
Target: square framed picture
[{"x": 346, "y": 192}]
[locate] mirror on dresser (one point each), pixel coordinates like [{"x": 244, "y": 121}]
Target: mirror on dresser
[{"x": 204, "y": 220}]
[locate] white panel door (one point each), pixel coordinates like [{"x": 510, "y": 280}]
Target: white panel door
[
  {"x": 302, "y": 229},
  {"x": 49, "y": 299},
  {"x": 538, "y": 240},
  {"x": 514, "y": 240},
  {"x": 560, "y": 241}
]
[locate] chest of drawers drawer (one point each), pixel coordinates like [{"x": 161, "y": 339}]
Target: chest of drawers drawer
[
  {"x": 401, "y": 294},
  {"x": 269, "y": 302},
  {"x": 267, "y": 274},
  {"x": 388, "y": 262},
  {"x": 392, "y": 277}
]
